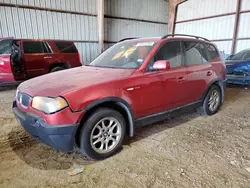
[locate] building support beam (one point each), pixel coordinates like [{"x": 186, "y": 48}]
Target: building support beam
[
  {"x": 100, "y": 24},
  {"x": 172, "y": 12},
  {"x": 236, "y": 26}
]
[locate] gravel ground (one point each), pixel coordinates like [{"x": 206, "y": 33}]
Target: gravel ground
[{"x": 192, "y": 150}]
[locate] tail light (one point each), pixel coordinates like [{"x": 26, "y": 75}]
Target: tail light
[
  {"x": 224, "y": 70},
  {"x": 79, "y": 57}
]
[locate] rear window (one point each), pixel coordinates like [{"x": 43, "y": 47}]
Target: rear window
[
  {"x": 66, "y": 47},
  {"x": 195, "y": 53},
  {"x": 212, "y": 52},
  {"x": 5, "y": 46}
]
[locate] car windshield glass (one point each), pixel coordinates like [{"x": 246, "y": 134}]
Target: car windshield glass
[
  {"x": 239, "y": 56},
  {"x": 124, "y": 55},
  {"x": 5, "y": 46}
]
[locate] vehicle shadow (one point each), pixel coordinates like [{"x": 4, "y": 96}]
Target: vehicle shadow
[
  {"x": 8, "y": 87},
  {"x": 171, "y": 122},
  {"x": 40, "y": 156},
  {"x": 46, "y": 158}
]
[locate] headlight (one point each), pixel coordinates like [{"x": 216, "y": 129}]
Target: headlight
[
  {"x": 49, "y": 105},
  {"x": 17, "y": 93}
]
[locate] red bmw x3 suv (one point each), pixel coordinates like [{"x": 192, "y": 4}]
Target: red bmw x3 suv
[{"x": 134, "y": 83}]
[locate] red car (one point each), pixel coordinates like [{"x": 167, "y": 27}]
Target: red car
[
  {"x": 22, "y": 59},
  {"x": 133, "y": 83}
]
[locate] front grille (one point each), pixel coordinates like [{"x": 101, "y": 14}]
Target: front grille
[{"x": 23, "y": 99}]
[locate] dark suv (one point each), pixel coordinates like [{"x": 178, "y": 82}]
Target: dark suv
[
  {"x": 21, "y": 59},
  {"x": 133, "y": 83}
]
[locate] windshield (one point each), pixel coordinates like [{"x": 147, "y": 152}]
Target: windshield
[
  {"x": 5, "y": 46},
  {"x": 124, "y": 55}
]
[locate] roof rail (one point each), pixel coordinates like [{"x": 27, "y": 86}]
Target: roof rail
[
  {"x": 127, "y": 39},
  {"x": 184, "y": 35}
]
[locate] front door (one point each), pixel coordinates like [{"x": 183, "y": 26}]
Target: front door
[
  {"x": 174, "y": 80},
  {"x": 35, "y": 58}
]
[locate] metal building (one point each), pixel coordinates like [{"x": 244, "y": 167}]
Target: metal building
[
  {"x": 76, "y": 20},
  {"x": 226, "y": 22},
  {"x": 130, "y": 18}
]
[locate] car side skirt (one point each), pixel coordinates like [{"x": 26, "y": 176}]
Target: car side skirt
[{"x": 166, "y": 114}]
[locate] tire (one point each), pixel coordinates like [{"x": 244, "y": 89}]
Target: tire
[
  {"x": 90, "y": 146},
  {"x": 55, "y": 69},
  {"x": 214, "y": 95}
]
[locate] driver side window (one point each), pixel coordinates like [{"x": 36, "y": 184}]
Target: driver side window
[{"x": 170, "y": 51}]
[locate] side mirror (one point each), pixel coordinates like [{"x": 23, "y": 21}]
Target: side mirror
[{"x": 161, "y": 65}]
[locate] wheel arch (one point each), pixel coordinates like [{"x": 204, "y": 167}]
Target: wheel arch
[
  {"x": 114, "y": 103},
  {"x": 220, "y": 84},
  {"x": 59, "y": 64}
]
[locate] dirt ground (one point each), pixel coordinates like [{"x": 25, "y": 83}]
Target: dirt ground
[{"x": 191, "y": 150}]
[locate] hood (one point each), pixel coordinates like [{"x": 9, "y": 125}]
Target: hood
[{"x": 59, "y": 83}]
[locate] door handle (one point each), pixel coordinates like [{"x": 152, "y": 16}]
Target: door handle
[
  {"x": 47, "y": 57},
  {"x": 181, "y": 79},
  {"x": 209, "y": 73}
]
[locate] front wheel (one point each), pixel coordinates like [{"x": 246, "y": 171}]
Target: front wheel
[
  {"x": 212, "y": 101},
  {"x": 102, "y": 134}
]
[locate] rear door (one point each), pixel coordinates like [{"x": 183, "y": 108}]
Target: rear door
[
  {"x": 35, "y": 56},
  {"x": 199, "y": 71}
]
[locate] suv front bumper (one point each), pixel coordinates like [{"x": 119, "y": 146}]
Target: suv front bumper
[
  {"x": 238, "y": 79},
  {"x": 60, "y": 137}
]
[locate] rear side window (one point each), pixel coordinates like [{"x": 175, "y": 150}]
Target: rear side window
[
  {"x": 212, "y": 52},
  {"x": 66, "y": 47},
  {"x": 195, "y": 53},
  {"x": 34, "y": 47},
  {"x": 171, "y": 51},
  {"x": 204, "y": 54}
]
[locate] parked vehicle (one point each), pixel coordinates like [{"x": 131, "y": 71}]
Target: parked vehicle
[
  {"x": 238, "y": 68},
  {"x": 224, "y": 55},
  {"x": 22, "y": 59},
  {"x": 133, "y": 83}
]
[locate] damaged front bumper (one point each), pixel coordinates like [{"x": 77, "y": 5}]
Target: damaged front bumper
[
  {"x": 238, "y": 79},
  {"x": 60, "y": 137}
]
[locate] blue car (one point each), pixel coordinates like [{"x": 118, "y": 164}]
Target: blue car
[{"x": 238, "y": 68}]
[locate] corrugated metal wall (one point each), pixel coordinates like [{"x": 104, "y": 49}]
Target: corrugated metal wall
[
  {"x": 192, "y": 9},
  {"x": 156, "y": 10},
  {"x": 244, "y": 27},
  {"x": 70, "y": 5},
  {"x": 215, "y": 19},
  {"x": 41, "y": 24},
  {"x": 76, "y": 20},
  {"x": 122, "y": 19},
  {"x": 214, "y": 28},
  {"x": 245, "y": 5}
]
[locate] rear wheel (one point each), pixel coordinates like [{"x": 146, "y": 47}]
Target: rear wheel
[
  {"x": 102, "y": 134},
  {"x": 212, "y": 101},
  {"x": 55, "y": 69}
]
